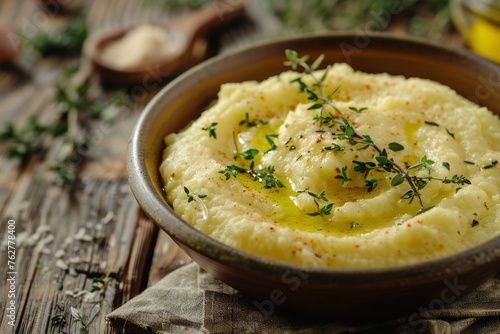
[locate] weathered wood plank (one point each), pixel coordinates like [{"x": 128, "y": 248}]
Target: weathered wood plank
[
  {"x": 106, "y": 237},
  {"x": 68, "y": 237},
  {"x": 167, "y": 257}
]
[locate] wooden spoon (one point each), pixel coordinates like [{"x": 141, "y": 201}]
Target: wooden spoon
[{"x": 188, "y": 32}]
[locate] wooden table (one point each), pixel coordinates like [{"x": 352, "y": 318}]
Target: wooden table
[
  {"x": 66, "y": 238},
  {"x": 47, "y": 217}
]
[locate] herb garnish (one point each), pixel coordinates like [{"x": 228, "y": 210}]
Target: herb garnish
[
  {"x": 247, "y": 121},
  {"x": 191, "y": 197},
  {"x": 270, "y": 139},
  {"x": 360, "y": 110},
  {"x": 346, "y": 132},
  {"x": 322, "y": 211},
  {"x": 343, "y": 176},
  {"x": 490, "y": 165},
  {"x": 334, "y": 147},
  {"x": 250, "y": 154},
  {"x": 431, "y": 123},
  {"x": 197, "y": 198},
  {"x": 263, "y": 175},
  {"x": 211, "y": 130},
  {"x": 232, "y": 170},
  {"x": 354, "y": 225}
]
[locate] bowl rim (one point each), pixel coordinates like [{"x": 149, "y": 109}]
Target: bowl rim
[{"x": 158, "y": 210}]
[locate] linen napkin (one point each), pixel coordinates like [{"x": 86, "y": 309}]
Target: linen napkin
[{"x": 189, "y": 300}]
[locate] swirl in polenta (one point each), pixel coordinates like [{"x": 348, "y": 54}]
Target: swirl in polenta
[{"x": 339, "y": 168}]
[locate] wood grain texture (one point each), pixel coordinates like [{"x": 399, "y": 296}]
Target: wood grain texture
[{"x": 66, "y": 237}]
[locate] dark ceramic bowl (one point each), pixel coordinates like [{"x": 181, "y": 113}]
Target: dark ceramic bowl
[{"x": 339, "y": 292}]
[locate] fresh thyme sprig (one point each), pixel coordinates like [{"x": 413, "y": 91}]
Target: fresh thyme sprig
[
  {"x": 24, "y": 141},
  {"x": 192, "y": 197},
  {"x": 264, "y": 175},
  {"x": 64, "y": 40},
  {"x": 76, "y": 113},
  {"x": 211, "y": 129},
  {"x": 58, "y": 320},
  {"x": 270, "y": 139},
  {"x": 343, "y": 175},
  {"x": 97, "y": 284},
  {"x": 78, "y": 315},
  {"x": 382, "y": 162},
  {"x": 198, "y": 199},
  {"x": 490, "y": 165},
  {"x": 247, "y": 121},
  {"x": 322, "y": 211}
]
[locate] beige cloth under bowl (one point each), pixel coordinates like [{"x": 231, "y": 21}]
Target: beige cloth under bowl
[{"x": 189, "y": 300}]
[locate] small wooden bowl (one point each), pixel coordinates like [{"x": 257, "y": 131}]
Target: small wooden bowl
[
  {"x": 354, "y": 293},
  {"x": 188, "y": 31}
]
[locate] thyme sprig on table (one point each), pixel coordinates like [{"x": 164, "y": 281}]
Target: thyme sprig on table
[
  {"x": 78, "y": 315},
  {"x": 347, "y": 132},
  {"x": 24, "y": 141},
  {"x": 64, "y": 40},
  {"x": 77, "y": 111}
]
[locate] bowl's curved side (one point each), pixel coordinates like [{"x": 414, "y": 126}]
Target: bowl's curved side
[{"x": 360, "y": 291}]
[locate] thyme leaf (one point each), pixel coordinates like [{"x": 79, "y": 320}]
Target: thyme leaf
[
  {"x": 65, "y": 40},
  {"x": 266, "y": 176},
  {"x": 354, "y": 225},
  {"x": 334, "y": 147},
  {"x": 490, "y": 165},
  {"x": 191, "y": 197},
  {"x": 232, "y": 170},
  {"x": 396, "y": 147},
  {"x": 23, "y": 141},
  {"x": 270, "y": 139},
  {"x": 211, "y": 130},
  {"x": 247, "y": 121},
  {"x": 58, "y": 320},
  {"x": 343, "y": 175},
  {"x": 263, "y": 175},
  {"x": 358, "y": 110},
  {"x": 431, "y": 123},
  {"x": 322, "y": 211}
]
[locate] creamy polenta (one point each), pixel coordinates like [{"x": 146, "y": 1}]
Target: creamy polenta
[{"x": 267, "y": 171}]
